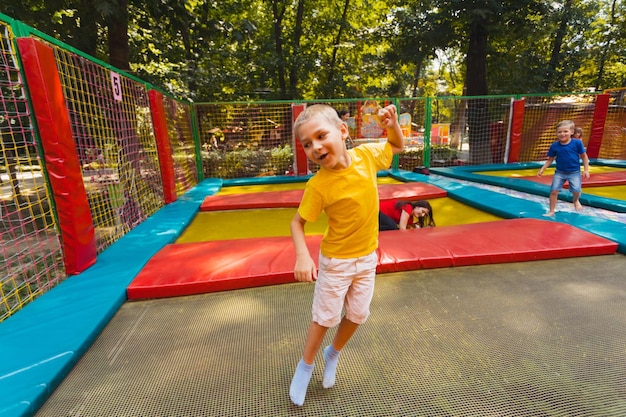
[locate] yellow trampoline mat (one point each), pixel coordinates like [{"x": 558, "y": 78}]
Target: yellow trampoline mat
[
  {"x": 529, "y": 172},
  {"x": 259, "y": 188},
  {"x": 249, "y": 223},
  {"x": 617, "y": 192}
]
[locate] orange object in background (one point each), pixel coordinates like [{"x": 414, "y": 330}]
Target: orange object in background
[{"x": 440, "y": 134}]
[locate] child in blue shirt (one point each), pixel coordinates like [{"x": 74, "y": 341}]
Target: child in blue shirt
[{"x": 568, "y": 152}]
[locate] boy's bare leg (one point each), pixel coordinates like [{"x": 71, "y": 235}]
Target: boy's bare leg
[
  {"x": 575, "y": 200},
  {"x": 304, "y": 370},
  {"x": 314, "y": 339},
  {"x": 331, "y": 353},
  {"x": 344, "y": 333},
  {"x": 554, "y": 196}
]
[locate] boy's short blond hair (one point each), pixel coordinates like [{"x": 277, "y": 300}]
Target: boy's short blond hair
[
  {"x": 324, "y": 110},
  {"x": 569, "y": 123}
]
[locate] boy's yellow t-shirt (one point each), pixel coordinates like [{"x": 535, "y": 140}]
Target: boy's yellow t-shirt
[{"x": 350, "y": 199}]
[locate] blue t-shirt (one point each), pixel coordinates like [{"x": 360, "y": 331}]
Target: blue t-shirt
[{"x": 567, "y": 156}]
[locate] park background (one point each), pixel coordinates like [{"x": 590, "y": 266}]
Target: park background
[{"x": 91, "y": 93}]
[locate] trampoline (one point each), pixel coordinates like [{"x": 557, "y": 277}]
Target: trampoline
[
  {"x": 241, "y": 240},
  {"x": 192, "y": 326},
  {"x": 541, "y": 338},
  {"x": 603, "y": 181},
  {"x": 605, "y": 189}
]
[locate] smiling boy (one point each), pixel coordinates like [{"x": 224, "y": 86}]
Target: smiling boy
[
  {"x": 568, "y": 152},
  {"x": 345, "y": 188}
]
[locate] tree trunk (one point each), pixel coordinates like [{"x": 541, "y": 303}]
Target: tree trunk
[
  {"x": 85, "y": 37},
  {"x": 278, "y": 44},
  {"x": 606, "y": 50},
  {"x": 118, "y": 37},
  {"x": 297, "y": 35},
  {"x": 556, "y": 46},
  {"x": 333, "y": 59},
  {"x": 476, "y": 85}
]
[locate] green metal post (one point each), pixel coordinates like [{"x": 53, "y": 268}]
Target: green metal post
[
  {"x": 196, "y": 140},
  {"x": 428, "y": 121},
  {"x": 395, "y": 163}
]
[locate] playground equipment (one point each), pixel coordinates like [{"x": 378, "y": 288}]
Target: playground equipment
[{"x": 110, "y": 155}]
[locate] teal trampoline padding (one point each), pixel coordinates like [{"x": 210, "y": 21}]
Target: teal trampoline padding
[
  {"x": 42, "y": 342},
  {"x": 281, "y": 179},
  {"x": 511, "y": 207}
]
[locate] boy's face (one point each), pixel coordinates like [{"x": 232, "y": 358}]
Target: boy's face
[
  {"x": 323, "y": 142},
  {"x": 564, "y": 133}
]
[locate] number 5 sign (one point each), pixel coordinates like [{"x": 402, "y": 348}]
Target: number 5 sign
[{"x": 116, "y": 84}]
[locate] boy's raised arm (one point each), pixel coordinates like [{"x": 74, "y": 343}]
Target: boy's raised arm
[{"x": 388, "y": 119}]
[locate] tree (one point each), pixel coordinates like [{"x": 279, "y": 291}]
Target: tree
[
  {"x": 279, "y": 8},
  {"x": 117, "y": 22},
  {"x": 557, "y": 44},
  {"x": 79, "y": 23},
  {"x": 343, "y": 48},
  {"x": 416, "y": 33}
]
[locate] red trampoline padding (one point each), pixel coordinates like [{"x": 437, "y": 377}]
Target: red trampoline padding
[
  {"x": 268, "y": 199},
  {"x": 195, "y": 268},
  {"x": 501, "y": 241},
  {"x": 603, "y": 179},
  {"x": 291, "y": 198}
]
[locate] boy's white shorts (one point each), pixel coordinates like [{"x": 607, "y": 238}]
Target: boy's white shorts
[{"x": 344, "y": 282}]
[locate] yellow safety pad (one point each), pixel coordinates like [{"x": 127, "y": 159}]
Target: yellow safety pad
[{"x": 248, "y": 223}]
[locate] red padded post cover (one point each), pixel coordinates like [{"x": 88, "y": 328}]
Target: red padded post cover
[
  {"x": 61, "y": 156},
  {"x": 517, "y": 121},
  {"x": 597, "y": 125},
  {"x": 302, "y": 162},
  {"x": 164, "y": 149}
]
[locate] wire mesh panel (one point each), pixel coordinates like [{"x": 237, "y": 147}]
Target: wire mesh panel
[
  {"x": 541, "y": 116},
  {"x": 614, "y": 138},
  {"x": 479, "y": 128},
  {"x": 412, "y": 118},
  {"x": 245, "y": 139},
  {"x": 178, "y": 116},
  {"x": 31, "y": 260},
  {"x": 112, "y": 128}
]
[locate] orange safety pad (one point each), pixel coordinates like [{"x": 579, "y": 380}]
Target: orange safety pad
[
  {"x": 291, "y": 198},
  {"x": 194, "y": 268},
  {"x": 600, "y": 179}
]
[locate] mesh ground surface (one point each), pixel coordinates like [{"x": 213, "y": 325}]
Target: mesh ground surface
[{"x": 545, "y": 338}]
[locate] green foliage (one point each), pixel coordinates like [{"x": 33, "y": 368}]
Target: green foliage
[
  {"x": 227, "y": 51},
  {"x": 440, "y": 155},
  {"x": 247, "y": 162}
]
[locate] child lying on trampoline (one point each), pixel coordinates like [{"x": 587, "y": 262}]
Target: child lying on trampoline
[
  {"x": 345, "y": 187},
  {"x": 403, "y": 215}
]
